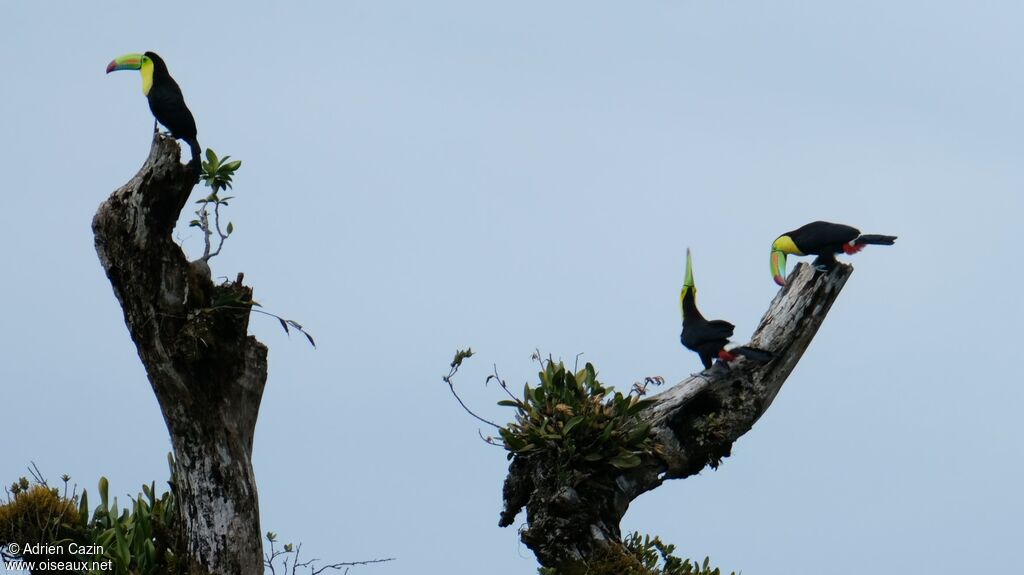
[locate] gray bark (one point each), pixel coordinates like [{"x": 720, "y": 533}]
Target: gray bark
[
  {"x": 207, "y": 373},
  {"x": 696, "y": 422}
]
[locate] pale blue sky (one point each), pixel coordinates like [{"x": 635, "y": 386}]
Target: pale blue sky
[{"x": 424, "y": 176}]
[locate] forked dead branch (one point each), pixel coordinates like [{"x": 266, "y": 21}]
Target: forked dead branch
[{"x": 576, "y": 487}]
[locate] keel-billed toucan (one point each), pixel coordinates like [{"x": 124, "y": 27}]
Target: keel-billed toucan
[
  {"x": 709, "y": 339},
  {"x": 822, "y": 239},
  {"x": 164, "y": 95}
]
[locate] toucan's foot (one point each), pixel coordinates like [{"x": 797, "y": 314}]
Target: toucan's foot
[{"x": 823, "y": 264}]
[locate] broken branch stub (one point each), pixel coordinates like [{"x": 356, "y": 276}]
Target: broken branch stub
[{"x": 207, "y": 373}]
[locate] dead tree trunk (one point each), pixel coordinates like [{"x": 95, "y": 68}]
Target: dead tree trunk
[
  {"x": 207, "y": 373},
  {"x": 574, "y": 529}
]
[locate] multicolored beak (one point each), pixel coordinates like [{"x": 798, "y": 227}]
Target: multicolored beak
[
  {"x": 688, "y": 282},
  {"x": 779, "y": 266},
  {"x": 126, "y": 62},
  {"x": 688, "y": 287}
]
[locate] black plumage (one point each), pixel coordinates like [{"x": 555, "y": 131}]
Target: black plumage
[
  {"x": 709, "y": 339},
  {"x": 168, "y": 105},
  {"x": 826, "y": 239},
  {"x": 703, "y": 337}
]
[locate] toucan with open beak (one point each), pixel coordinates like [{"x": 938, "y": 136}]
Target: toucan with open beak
[
  {"x": 709, "y": 339},
  {"x": 165, "y": 98},
  {"x": 822, "y": 239}
]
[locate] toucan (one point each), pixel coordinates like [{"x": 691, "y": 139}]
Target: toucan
[
  {"x": 164, "y": 95},
  {"x": 822, "y": 239},
  {"x": 709, "y": 339}
]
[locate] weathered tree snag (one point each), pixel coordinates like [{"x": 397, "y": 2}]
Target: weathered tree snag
[
  {"x": 696, "y": 422},
  {"x": 207, "y": 373}
]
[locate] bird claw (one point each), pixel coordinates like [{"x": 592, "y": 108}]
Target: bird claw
[{"x": 821, "y": 267}]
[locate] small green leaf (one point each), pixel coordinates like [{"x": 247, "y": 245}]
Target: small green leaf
[
  {"x": 104, "y": 485},
  {"x": 231, "y": 228},
  {"x": 83, "y": 508},
  {"x": 640, "y": 405},
  {"x": 571, "y": 424},
  {"x": 625, "y": 460}
]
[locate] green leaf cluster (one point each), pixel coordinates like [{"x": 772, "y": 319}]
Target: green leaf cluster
[
  {"x": 218, "y": 172},
  {"x": 644, "y": 555},
  {"x": 656, "y": 557},
  {"x": 37, "y": 513},
  {"x": 578, "y": 420},
  {"x": 140, "y": 541}
]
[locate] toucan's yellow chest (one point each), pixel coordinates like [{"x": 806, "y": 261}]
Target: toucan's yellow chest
[{"x": 147, "y": 76}]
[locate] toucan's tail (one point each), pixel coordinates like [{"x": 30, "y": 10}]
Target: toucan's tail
[
  {"x": 875, "y": 239},
  {"x": 196, "y": 163},
  {"x": 193, "y": 145},
  {"x": 752, "y": 353}
]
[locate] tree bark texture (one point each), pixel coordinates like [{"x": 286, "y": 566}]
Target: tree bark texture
[
  {"x": 207, "y": 373},
  {"x": 696, "y": 423}
]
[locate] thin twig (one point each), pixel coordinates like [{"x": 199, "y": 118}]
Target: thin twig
[
  {"x": 504, "y": 386},
  {"x": 489, "y": 440},
  {"x": 216, "y": 224},
  {"x": 448, "y": 379},
  {"x": 36, "y": 474},
  {"x": 348, "y": 564},
  {"x": 204, "y": 225}
]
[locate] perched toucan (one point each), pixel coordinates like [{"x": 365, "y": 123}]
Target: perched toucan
[
  {"x": 822, "y": 239},
  {"x": 164, "y": 95},
  {"x": 709, "y": 339}
]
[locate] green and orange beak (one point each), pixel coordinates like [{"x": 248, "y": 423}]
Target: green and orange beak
[
  {"x": 780, "y": 247},
  {"x": 126, "y": 62},
  {"x": 779, "y": 266}
]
